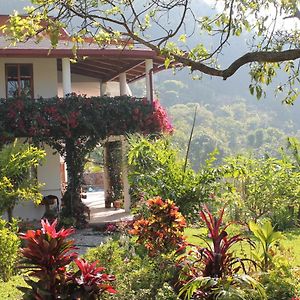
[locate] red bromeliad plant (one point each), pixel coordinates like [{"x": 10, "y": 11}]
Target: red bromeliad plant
[
  {"x": 214, "y": 271},
  {"x": 162, "y": 232},
  {"x": 48, "y": 255},
  {"x": 90, "y": 281}
]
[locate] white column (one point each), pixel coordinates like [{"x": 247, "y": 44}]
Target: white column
[
  {"x": 127, "y": 200},
  {"x": 103, "y": 87},
  {"x": 105, "y": 171},
  {"x": 148, "y": 67},
  {"x": 66, "y": 76},
  {"x": 123, "y": 84}
]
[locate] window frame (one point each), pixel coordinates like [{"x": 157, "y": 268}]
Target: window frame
[{"x": 19, "y": 77}]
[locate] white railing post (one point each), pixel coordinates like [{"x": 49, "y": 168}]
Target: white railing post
[
  {"x": 123, "y": 84},
  {"x": 103, "y": 87},
  {"x": 148, "y": 70}
]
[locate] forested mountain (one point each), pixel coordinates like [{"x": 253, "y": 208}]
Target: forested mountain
[{"x": 228, "y": 118}]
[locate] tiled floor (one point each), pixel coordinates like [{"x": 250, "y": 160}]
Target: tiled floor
[{"x": 100, "y": 214}]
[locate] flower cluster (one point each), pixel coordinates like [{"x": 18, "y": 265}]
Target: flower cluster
[
  {"x": 162, "y": 231},
  {"x": 76, "y": 116}
]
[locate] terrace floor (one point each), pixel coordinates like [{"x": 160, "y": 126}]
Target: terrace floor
[{"x": 99, "y": 215}]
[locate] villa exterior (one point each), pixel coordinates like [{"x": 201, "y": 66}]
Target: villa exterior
[{"x": 33, "y": 70}]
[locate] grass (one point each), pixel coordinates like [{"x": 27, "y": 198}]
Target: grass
[
  {"x": 8, "y": 290},
  {"x": 290, "y": 242}
]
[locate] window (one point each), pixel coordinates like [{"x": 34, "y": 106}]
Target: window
[{"x": 19, "y": 80}]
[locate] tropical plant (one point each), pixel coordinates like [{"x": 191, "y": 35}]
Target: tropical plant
[
  {"x": 48, "y": 255},
  {"x": 163, "y": 230},
  {"x": 155, "y": 168},
  {"x": 266, "y": 236},
  {"x": 16, "y": 182},
  {"x": 90, "y": 281},
  {"x": 214, "y": 272}
]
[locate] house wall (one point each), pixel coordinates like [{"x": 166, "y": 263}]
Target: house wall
[
  {"x": 44, "y": 85},
  {"x": 88, "y": 86},
  {"x": 49, "y": 175},
  {"x": 44, "y": 75}
]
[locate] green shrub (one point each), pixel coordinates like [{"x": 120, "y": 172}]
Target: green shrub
[
  {"x": 138, "y": 277},
  {"x": 278, "y": 284},
  {"x": 9, "y": 249}
]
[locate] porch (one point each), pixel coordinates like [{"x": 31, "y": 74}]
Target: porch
[{"x": 99, "y": 215}]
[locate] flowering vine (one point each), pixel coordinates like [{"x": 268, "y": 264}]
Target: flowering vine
[{"x": 74, "y": 125}]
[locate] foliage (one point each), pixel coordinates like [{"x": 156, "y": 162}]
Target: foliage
[
  {"x": 156, "y": 169},
  {"x": 76, "y": 116},
  {"x": 266, "y": 236},
  {"x": 262, "y": 187},
  {"x": 16, "y": 182},
  {"x": 279, "y": 283},
  {"x": 74, "y": 125},
  {"x": 162, "y": 231},
  {"x": 138, "y": 276},
  {"x": 9, "y": 249},
  {"x": 48, "y": 255},
  {"x": 214, "y": 272},
  {"x": 233, "y": 126}
]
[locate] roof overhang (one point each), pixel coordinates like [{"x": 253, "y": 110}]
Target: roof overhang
[{"x": 105, "y": 62}]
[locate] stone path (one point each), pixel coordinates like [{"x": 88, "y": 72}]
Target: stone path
[{"x": 99, "y": 217}]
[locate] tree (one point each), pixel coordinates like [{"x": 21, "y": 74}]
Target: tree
[
  {"x": 16, "y": 181},
  {"x": 179, "y": 31},
  {"x": 263, "y": 187}
]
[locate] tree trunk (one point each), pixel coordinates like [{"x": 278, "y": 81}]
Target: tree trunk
[
  {"x": 71, "y": 201},
  {"x": 10, "y": 214}
]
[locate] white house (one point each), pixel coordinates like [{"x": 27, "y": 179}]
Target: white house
[{"x": 30, "y": 68}]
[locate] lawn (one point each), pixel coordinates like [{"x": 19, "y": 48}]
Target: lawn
[
  {"x": 8, "y": 290},
  {"x": 291, "y": 241}
]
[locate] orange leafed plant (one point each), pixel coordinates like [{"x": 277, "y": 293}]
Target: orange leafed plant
[{"x": 161, "y": 232}]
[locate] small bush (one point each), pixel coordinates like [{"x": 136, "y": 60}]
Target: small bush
[
  {"x": 138, "y": 276},
  {"x": 9, "y": 249},
  {"x": 162, "y": 231}
]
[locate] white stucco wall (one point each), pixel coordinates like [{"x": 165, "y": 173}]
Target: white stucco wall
[
  {"x": 44, "y": 85},
  {"x": 88, "y": 86},
  {"x": 44, "y": 75},
  {"x": 49, "y": 175}
]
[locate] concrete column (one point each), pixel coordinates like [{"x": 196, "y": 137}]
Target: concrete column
[
  {"x": 126, "y": 187},
  {"x": 105, "y": 175},
  {"x": 103, "y": 86},
  {"x": 149, "y": 87},
  {"x": 66, "y": 76},
  {"x": 123, "y": 84}
]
